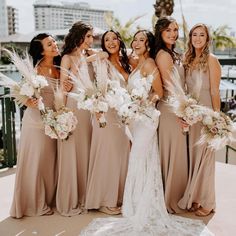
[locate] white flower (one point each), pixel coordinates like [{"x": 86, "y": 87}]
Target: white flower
[
  {"x": 39, "y": 81},
  {"x": 207, "y": 120},
  {"x": 189, "y": 112},
  {"x": 50, "y": 132},
  {"x": 102, "y": 106},
  {"x": 41, "y": 106},
  {"x": 27, "y": 90}
]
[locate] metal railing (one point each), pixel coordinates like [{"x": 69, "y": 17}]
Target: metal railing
[
  {"x": 227, "y": 152},
  {"x": 8, "y": 131}
]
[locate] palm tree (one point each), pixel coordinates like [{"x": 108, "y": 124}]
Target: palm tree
[
  {"x": 126, "y": 30},
  {"x": 184, "y": 27},
  {"x": 221, "y": 38},
  {"x": 164, "y": 7}
]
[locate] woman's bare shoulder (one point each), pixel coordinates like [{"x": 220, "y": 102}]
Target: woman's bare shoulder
[{"x": 163, "y": 56}]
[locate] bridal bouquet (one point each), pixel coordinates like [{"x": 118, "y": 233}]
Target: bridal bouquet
[
  {"x": 217, "y": 129},
  {"x": 136, "y": 104},
  {"x": 139, "y": 92},
  {"x": 184, "y": 106},
  {"x": 90, "y": 95},
  {"x": 187, "y": 109},
  {"x": 59, "y": 124},
  {"x": 30, "y": 84},
  {"x": 119, "y": 99}
]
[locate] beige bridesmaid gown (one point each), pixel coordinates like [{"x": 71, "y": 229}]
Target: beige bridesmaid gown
[
  {"x": 36, "y": 172},
  {"x": 73, "y": 159},
  {"x": 173, "y": 155},
  {"x": 109, "y": 154},
  {"x": 201, "y": 183}
]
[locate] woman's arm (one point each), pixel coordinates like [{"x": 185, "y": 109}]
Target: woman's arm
[
  {"x": 66, "y": 82},
  {"x": 151, "y": 68},
  {"x": 93, "y": 55},
  {"x": 215, "y": 76},
  {"x": 165, "y": 65},
  {"x": 32, "y": 103}
]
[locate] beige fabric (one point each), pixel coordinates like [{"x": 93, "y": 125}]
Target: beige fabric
[
  {"x": 73, "y": 159},
  {"x": 108, "y": 164},
  {"x": 201, "y": 182},
  {"x": 173, "y": 156},
  {"x": 35, "y": 182}
]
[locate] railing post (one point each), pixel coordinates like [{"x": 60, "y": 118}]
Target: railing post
[
  {"x": 9, "y": 130},
  {"x": 227, "y": 154}
]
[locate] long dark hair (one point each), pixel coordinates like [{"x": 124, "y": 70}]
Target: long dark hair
[
  {"x": 124, "y": 60},
  {"x": 150, "y": 43},
  {"x": 75, "y": 37},
  {"x": 161, "y": 25},
  {"x": 36, "y": 49}
]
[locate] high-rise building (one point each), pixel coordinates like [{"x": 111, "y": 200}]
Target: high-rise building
[
  {"x": 61, "y": 15},
  {"x": 12, "y": 14},
  {"x": 3, "y": 19}
]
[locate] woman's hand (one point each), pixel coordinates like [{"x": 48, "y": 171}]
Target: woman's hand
[
  {"x": 32, "y": 103},
  {"x": 98, "y": 115},
  {"x": 153, "y": 97},
  {"x": 67, "y": 85},
  {"x": 183, "y": 123},
  {"x": 102, "y": 55}
]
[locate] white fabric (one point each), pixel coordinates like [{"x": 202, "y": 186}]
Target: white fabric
[{"x": 144, "y": 211}]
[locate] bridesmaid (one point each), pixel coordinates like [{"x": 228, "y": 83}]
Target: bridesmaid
[
  {"x": 199, "y": 195},
  {"x": 35, "y": 182},
  {"x": 110, "y": 145},
  {"x": 172, "y": 142},
  {"x": 73, "y": 155}
]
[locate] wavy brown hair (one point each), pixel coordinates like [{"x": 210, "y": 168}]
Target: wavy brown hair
[
  {"x": 75, "y": 37},
  {"x": 124, "y": 60},
  {"x": 161, "y": 25},
  {"x": 191, "y": 53}
]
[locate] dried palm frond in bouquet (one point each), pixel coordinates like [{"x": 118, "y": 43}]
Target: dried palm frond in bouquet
[{"x": 30, "y": 84}]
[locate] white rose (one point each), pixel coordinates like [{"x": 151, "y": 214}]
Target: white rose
[
  {"x": 27, "y": 90},
  {"x": 207, "y": 120},
  {"x": 102, "y": 106}
]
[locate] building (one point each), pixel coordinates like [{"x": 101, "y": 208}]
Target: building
[
  {"x": 60, "y": 15},
  {"x": 22, "y": 41},
  {"x": 13, "y": 25},
  {"x": 3, "y": 19}
]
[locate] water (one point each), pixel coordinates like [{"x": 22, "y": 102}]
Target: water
[{"x": 15, "y": 76}]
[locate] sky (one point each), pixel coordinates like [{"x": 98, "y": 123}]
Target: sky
[{"x": 211, "y": 12}]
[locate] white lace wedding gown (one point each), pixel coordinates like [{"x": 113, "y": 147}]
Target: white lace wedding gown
[{"x": 144, "y": 211}]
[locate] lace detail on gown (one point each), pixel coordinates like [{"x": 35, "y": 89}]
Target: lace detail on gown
[{"x": 144, "y": 211}]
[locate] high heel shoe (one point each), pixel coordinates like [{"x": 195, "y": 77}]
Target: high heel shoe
[
  {"x": 110, "y": 210},
  {"x": 195, "y": 207},
  {"x": 203, "y": 212}
]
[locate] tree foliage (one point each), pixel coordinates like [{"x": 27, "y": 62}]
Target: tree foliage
[
  {"x": 126, "y": 31},
  {"x": 221, "y": 38},
  {"x": 164, "y": 7}
]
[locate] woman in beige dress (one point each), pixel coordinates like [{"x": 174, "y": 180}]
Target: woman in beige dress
[
  {"x": 172, "y": 142},
  {"x": 110, "y": 146},
  {"x": 35, "y": 182},
  {"x": 200, "y": 192},
  {"x": 73, "y": 156}
]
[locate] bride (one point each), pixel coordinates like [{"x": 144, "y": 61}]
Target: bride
[{"x": 144, "y": 211}]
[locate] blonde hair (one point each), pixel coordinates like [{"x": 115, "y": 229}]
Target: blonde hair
[{"x": 191, "y": 54}]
